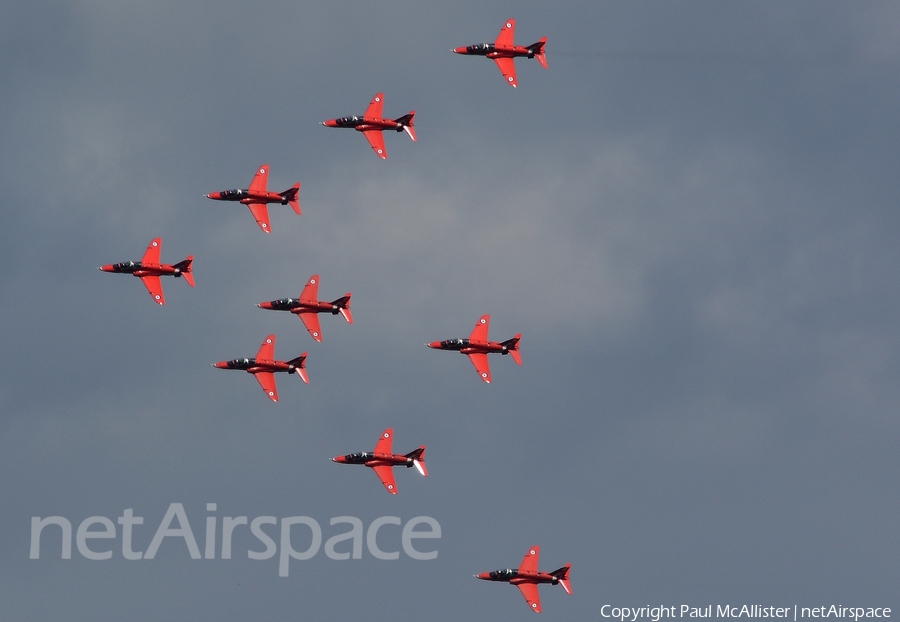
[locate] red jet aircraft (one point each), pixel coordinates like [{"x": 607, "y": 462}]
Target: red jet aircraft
[
  {"x": 372, "y": 125},
  {"x": 256, "y": 197},
  {"x": 148, "y": 269},
  {"x": 503, "y": 51},
  {"x": 382, "y": 460},
  {"x": 527, "y": 577},
  {"x": 264, "y": 366},
  {"x": 308, "y": 307},
  {"x": 477, "y": 347}
]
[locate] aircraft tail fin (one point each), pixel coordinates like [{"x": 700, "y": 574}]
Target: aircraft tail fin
[
  {"x": 299, "y": 365},
  {"x": 539, "y": 53},
  {"x": 418, "y": 458},
  {"x": 185, "y": 267},
  {"x": 290, "y": 195},
  {"x": 513, "y": 346},
  {"x": 562, "y": 575},
  {"x": 343, "y": 304},
  {"x": 408, "y": 125}
]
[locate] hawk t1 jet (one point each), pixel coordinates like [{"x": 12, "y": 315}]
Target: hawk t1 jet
[
  {"x": 527, "y": 577},
  {"x": 382, "y": 460},
  {"x": 264, "y": 367},
  {"x": 256, "y": 197},
  {"x": 503, "y": 51},
  {"x": 148, "y": 269},
  {"x": 372, "y": 125},
  {"x": 477, "y": 347},
  {"x": 308, "y": 307}
]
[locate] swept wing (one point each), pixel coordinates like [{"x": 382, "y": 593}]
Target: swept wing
[
  {"x": 531, "y": 594},
  {"x": 151, "y": 255},
  {"x": 311, "y": 321},
  {"x": 376, "y": 140},
  {"x": 154, "y": 286},
  {"x": 386, "y": 475},
  {"x": 260, "y": 179},
  {"x": 266, "y": 380},
  {"x": 261, "y": 215}
]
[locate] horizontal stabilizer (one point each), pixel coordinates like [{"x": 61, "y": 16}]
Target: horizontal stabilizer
[
  {"x": 418, "y": 457},
  {"x": 185, "y": 268},
  {"x": 291, "y": 196},
  {"x": 299, "y": 365},
  {"x": 343, "y": 304},
  {"x": 562, "y": 575},
  {"x": 513, "y": 346},
  {"x": 408, "y": 124},
  {"x": 539, "y": 51}
]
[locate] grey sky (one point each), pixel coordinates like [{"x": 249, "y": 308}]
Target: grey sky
[{"x": 691, "y": 218}]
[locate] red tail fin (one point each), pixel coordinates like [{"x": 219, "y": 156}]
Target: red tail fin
[
  {"x": 539, "y": 52},
  {"x": 513, "y": 346},
  {"x": 343, "y": 304},
  {"x": 299, "y": 364},
  {"x": 418, "y": 457},
  {"x": 408, "y": 125},
  {"x": 562, "y": 575},
  {"x": 290, "y": 195},
  {"x": 185, "y": 267}
]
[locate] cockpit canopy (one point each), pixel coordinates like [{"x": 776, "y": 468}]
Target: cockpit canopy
[
  {"x": 126, "y": 265},
  {"x": 241, "y": 363},
  {"x": 234, "y": 194},
  {"x": 455, "y": 343},
  {"x": 480, "y": 47},
  {"x": 362, "y": 455},
  {"x": 506, "y": 572},
  {"x": 284, "y": 303},
  {"x": 349, "y": 120}
]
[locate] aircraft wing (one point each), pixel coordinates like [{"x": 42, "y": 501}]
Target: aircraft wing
[
  {"x": 507, "y": 34},
  {"x": 480, "y": 361},
  {"x": 386, "y": 475},
  {"x": 154, "y": 286},
  {"x": 376, "y": 106},
  {"x": 508, "y": 69},
  {"x": 480, "y": 332},
  {"x": 311, "y": 321},
  {"x": 310, "y": 292},
  {"x": 385, "y": 442},
  {"x": 531, "y": 594},
  {"x": 151, "y": 255},
  {"x": 266, "y": 380},
  {"x": 530, "y": 563},
  {"x": 376, "y": 139},
  {"x": 261, "y": 215},
  {"x": 267, "y": 350},
  {"x": 260, "y": 179}
]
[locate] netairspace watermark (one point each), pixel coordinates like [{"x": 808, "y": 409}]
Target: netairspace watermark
[
  {"x": 655, "y": 614},
  {"x": 101, "y": 527}
]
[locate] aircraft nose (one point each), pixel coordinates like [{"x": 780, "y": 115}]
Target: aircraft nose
[
  {"x": 434, "y": 344},
  {"x": 265, "y": 305},
  {"x": 221, "y": 365},
  {"x": 461, "y": 50},
  {"x": 483, "y": 575},
  {"x": 107, "y": 268}
]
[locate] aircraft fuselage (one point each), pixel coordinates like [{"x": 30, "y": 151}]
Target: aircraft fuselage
[
  {"x": 252, "y": 366},
  {"x": 364, "y": 124},
  {"x": 515, "y": 577},
  {"x": 492, "y": 50},
  {"x": 295, "y": 306},
  {"x": 467, "y": 346},
  {"x": 373, "y": 459},
  {"x": 138, "y": 269},
  {"x": 246, "y": 197}
]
